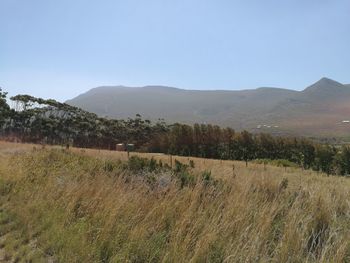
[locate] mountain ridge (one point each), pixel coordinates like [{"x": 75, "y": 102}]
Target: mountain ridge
[{"x": 315, "y": 111}]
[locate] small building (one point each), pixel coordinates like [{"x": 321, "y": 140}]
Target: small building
[
  {"x": 130, "y": 147},
  {"x": 120, "y": 147},
  {"x": 345, "y": 121}
]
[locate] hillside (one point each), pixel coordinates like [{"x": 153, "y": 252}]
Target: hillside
[
  {"x": 318, "y": 110},
  {"x": 97, "y": 206}
]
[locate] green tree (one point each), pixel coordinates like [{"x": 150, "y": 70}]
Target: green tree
[
  {"x": 324, "y": 160},
  {"x": 307, "y": 150},
  {"x": 4, "y": 107},
  {"x": 243, "y": 147},
  {"x": 342, "y": 161}
]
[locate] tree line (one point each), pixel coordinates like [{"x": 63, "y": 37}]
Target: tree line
[
  {"x": 211, "y": 141},
  {"x": 48, "y": 121}
]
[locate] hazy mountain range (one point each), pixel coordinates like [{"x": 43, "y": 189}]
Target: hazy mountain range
[{"x": 321, "y": 109}]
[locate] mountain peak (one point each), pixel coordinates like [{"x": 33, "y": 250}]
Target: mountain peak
[
  {"x": 328, "y": 81},
  {"x": 324, "y": 84}
]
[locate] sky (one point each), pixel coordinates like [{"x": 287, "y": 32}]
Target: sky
[{"x": 61, "y": 48}]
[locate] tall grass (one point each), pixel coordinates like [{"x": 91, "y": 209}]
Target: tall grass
[{"x": 81, "y": 208}]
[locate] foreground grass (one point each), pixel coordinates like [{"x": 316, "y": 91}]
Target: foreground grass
[{"x": 78, "y": 208}]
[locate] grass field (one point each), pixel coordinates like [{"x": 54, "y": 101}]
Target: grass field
[{"x": 86, "y": 206}]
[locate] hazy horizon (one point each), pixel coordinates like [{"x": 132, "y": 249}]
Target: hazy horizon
[{"x": 11, "y": 93}]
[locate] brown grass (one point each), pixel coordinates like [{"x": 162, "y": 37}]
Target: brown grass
[{"x": 78, "y": 212}]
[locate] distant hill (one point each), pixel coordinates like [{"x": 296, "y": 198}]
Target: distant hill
[{"x": 318, "y": 110}]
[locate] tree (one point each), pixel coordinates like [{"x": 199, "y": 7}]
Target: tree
[
  {"x": 324, "y": 159},
  {"x": 342, "y": 161},
  {"x": 244, "y": 147},
  {"x": 4, "y": 109},
  {"x": 266, "y": 147},
  {"x": 308, "y": 153}
]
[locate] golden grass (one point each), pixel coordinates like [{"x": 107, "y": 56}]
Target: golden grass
[{"x": 78, "y": 212}]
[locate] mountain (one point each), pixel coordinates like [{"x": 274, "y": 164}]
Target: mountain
[{"x": 318, "y": 110}]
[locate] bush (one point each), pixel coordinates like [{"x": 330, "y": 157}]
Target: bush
[
  {"x": 208, "y": 179},
  {"x": 278, "y": 162},
  {"x": 137, "y": 164},
  {"x": 181, "y": 173},
  {"x": 191, "y": 164}
]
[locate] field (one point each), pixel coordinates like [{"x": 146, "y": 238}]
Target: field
[{"x": 81, "y": 205}]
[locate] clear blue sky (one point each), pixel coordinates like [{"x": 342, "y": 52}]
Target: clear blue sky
[{"x": 61, "y": 48}]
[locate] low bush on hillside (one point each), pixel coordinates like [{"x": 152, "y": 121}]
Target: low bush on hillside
[{"x": 278, "y": 162}]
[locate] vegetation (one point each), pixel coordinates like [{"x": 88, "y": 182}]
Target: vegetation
[
  {"x": 4, "y": 108},
  {"x": 210, "y": 141},
  {"x": 51, "y": 122},
  {"x": 77, "y": 208},
  {"x": 277, "y": 162},
  {"x": 48, "y": 121}
]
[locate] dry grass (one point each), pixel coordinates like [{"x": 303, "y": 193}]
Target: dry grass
[{"x": 79, "y": 212}]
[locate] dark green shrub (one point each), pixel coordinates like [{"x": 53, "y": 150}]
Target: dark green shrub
[
  {"x": 180, "y": 167},
  {"x": 182, "y": 174},
  {"x": 284, "y": 184},
  {"x": 277, "y": 162},
  {"x": 136, "y": 163},
  {"x": 152, "y": 165},
  {"x": 186, "y": 179},
  {"x": 191, "y": 164}
]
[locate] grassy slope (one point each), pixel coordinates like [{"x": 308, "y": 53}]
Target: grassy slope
[{"x": 71, "y": 207}]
